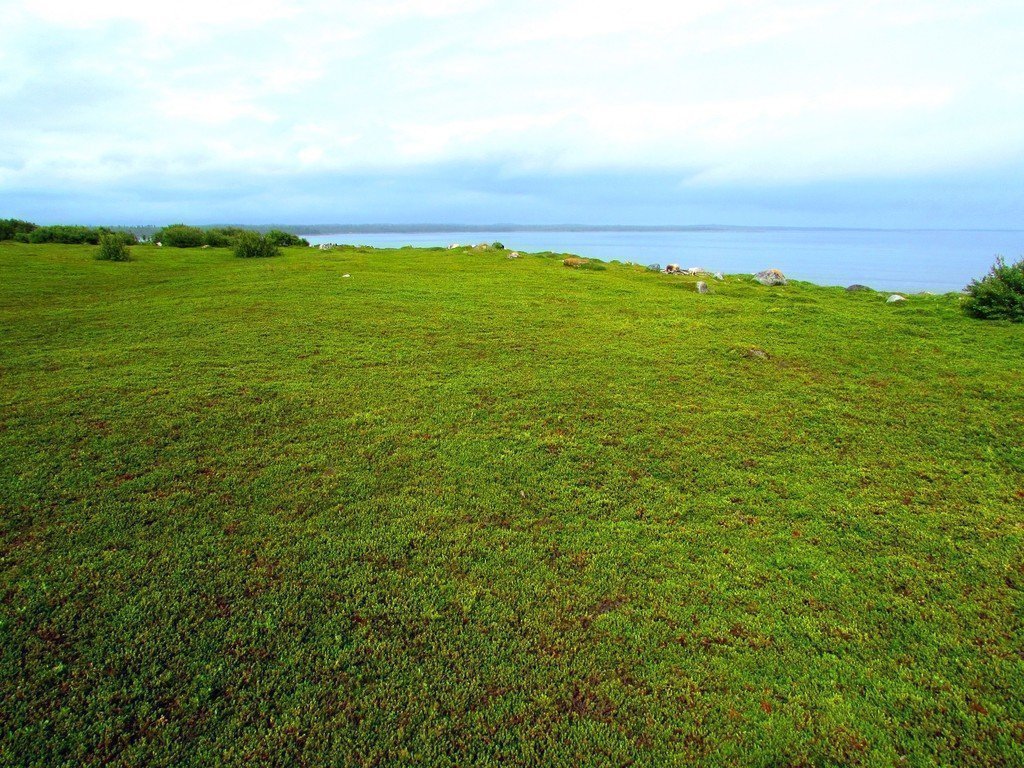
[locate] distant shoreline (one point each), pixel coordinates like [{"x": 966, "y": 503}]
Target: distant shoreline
[{"x": 428, "y": 228}]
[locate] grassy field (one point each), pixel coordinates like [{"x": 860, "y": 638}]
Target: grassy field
[{"x": 463, "y": 510}]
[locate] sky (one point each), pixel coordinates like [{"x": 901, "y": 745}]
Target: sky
[{"x": 903, "y": 113}]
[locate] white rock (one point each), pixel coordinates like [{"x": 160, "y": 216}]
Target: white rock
[
  {"x": 346, "y": 275},
  {"x": 894, "y": 298},
  {"x": 702, "y": 287},
  {"x": 719, "y": 276},
  {"x": 770, "y": 277}
]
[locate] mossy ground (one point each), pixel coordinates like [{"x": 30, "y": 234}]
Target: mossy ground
[{"x": 464, "y": 510}]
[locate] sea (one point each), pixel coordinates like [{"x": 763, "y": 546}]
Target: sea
[{"x": 918, "y": 260}]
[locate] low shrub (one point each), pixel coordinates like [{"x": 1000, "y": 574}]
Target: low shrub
[
  {"x": 253, "y": 245},
  {"x": 112, "y": 248},
  {"x": 222, "y": 237},
  {"x": 128, "y": 238},
  {"x": 181, "y": 236},
  {"x": 285, "y": 239},
  {"x": 999, "y": 295},
  {"x": 498, "y": 246},
  {"x": 68, "y": 235}
]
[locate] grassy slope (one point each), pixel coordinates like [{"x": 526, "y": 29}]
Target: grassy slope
[{"x": 458, "y": 508}]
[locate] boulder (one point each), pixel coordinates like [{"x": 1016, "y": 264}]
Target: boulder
[
  {"x": 672, "y": 269},
  {"x": 702, "y": 287},
  {"x": 895, "y": 298},
  {"x": 719, "y": 276},
  {"x": 513, "y": 255},
  {"x": 696, "y": 271},
  {"x": 771, "y": 277},
  {"x": 857, "y": 287}
]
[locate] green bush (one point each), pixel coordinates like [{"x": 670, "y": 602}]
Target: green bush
[
  {"x": 180, "y": 236},
  {"x": 221, "y": 237},
  {"x": 285, "y": 239},
  {"x": 253, "y": 245},
  {"x": 128, "y": 238},
  {"x": 70, "y": 235},
  {"x": 10, "y": 229},
  {"x": 999, "y": 295},
  {"x": 498, "y": 246},
  {"x": 112, "y": 247}
]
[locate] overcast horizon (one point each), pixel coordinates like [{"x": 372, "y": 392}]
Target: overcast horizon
[{"x": 751, "y": 113}]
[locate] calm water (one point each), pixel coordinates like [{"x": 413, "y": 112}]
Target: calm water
[{"x": 904, "y": 260}]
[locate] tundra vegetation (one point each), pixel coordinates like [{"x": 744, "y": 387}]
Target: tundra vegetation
[{"x": 465, "y": 510}]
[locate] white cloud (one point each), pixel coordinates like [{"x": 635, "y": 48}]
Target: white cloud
[{"x": 746, "y": 89}]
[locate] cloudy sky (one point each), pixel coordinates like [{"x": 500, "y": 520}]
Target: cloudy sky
[{"x": 802, "y": 112}]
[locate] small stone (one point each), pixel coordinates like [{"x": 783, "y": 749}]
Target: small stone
[
  {"x": 895, "y": 298},
  {"x": 702, "y": 287},
  {"x": 755, "y": 353},
  {"x": 346, "y": 275},
  {"x": 771, "y": 277}
]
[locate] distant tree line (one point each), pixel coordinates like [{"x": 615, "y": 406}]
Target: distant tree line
[
  {"x": 27, "y": 232},
  {"x": 176, "y": 235},
  {"x": 184, "y": 236}
]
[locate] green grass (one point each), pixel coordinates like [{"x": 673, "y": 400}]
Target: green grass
[{"x": 463, "y": 510}]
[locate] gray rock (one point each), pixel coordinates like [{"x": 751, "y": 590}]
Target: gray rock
[
  {"x": 702, "y": 287},
  {"x": 756, "y": 354},
  {"x": 895, "y": 298},
  {"x": 513, "y": 255},
  {"x": 857, "y": 287},
  {"x": 719, "y": 276},
  {"x": 771, "y": 277}
]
